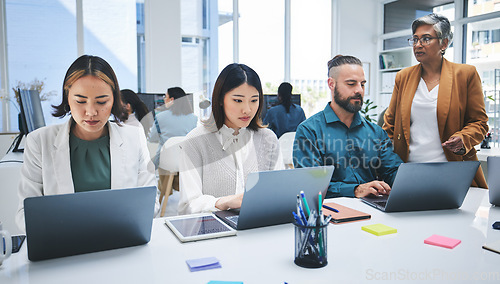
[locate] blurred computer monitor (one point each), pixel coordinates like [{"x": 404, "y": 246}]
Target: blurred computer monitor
[
  {"x": 30, "y": 115},
  {"x": 272, "y": 100}
]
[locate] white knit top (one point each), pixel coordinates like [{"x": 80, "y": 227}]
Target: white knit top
[{"x": 216, "y": 163}]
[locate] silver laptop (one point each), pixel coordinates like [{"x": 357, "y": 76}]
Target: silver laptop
[
  {"x": 271, "y": 197},
  {"x": 427, "y": 186},
  {"x": 494, "y": 179},
  {"x": 71, "y": 224}
]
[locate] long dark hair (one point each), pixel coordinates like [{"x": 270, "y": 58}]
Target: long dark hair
[
  {"x": 233, "y": 76},
  {"x": 138, "y": 106},
  {"x": 88, "y": 65},
  {"x": 285, "y": 95}
]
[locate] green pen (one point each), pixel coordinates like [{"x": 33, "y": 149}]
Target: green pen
[
  {"x": 320, "y": 201},
  {"x": 320, "y": 223}
]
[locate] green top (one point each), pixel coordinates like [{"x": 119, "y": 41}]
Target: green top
[{"x": 90, "y": 163}]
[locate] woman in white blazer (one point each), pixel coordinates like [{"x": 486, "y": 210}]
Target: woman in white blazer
[{"x": 88, "y": 152}]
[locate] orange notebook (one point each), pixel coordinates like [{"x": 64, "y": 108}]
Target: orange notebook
[{"x": 345, "y": 214}]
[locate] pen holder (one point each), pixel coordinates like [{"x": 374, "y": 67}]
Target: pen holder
[{"x": 310, "y": 245}]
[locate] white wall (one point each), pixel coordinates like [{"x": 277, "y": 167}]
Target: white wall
[
  {"x": 163, "y": 44},
  {"x": 358, "y": 32}
]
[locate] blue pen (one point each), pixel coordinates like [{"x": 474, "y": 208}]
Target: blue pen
[
  {"x": 305, "y": 203},
  {"x": 331, "y": 208},
  {"x": 301, "y": 214},
  {"x": 297, "y": 219},
  {"x": 298, "y": 205},
  {"x": 328, "y": 219}
]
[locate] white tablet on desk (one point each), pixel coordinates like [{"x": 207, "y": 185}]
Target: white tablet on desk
[{"x": 198, "y": 227}]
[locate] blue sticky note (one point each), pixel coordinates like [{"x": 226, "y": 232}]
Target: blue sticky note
[{"x": 203, "y": 263}]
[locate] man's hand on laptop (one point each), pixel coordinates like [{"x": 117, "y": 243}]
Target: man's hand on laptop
[
  {"x": 229, "y": 202},
  {"x": 375, "y": 187}
]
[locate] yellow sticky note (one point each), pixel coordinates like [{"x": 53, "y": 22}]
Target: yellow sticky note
[{"x": 379, "y": 229}]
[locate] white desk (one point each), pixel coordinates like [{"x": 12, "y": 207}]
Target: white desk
[
  {"x": 265, "y": 255},
  {"x": 483, "y": 154},
  {"x": 10, "y": 173},
  {"x": 12, "y": 157}
]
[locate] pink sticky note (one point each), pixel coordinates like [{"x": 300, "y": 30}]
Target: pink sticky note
[{"x": 441, "y": 241}]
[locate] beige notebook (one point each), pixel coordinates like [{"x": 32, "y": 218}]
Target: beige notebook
[{"x": 344, "y": 214}]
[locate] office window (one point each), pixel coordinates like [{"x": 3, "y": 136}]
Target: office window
[
  {"x": 194, "y": 64},
  {"x": 483, "y": 51},
  {"x": 141, "y": 47},
  {"x": 310, "y": 36},
  {"x": 3, "y": 101},
  {"x": 450, "y": 52},
  {"x": 480, "y": 37},
  {"x": 481, "y": 7},
  {"x": 195, "y": 25},
  {"x": 261, "y": 40},
  {"x": 102, "y": 20},
  {"x": 225, "y": 31},
  {"x": 41, "y": 42},
  {"x": 483, "y": 43},
  {"x": 495, "y": 35}
]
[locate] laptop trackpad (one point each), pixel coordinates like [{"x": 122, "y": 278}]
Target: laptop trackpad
[
  {"x": 231, "y": 215},
  {"x": 380, "y": 200},
  {"x": 233, "y": 219}
]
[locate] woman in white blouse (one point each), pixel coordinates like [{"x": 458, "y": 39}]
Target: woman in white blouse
[
  {"x": 217, "y": 156},
  {"x": 437, "y": 111}
]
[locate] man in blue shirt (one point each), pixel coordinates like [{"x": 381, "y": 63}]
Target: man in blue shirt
[{"x": 360, "y": 150}]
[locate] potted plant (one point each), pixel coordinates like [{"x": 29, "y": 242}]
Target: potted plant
[
  {"x": 35, "y": 84},
  {"x": 367, "y": 107}
]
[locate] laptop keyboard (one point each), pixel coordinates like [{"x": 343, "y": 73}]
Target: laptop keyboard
[
  {"x": 381, "y": 203},
  {"x": 17, "y": 241},
  {"x": 233, "y": 219}
]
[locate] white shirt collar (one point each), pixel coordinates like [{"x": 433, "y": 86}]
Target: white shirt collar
[{"x": 228, "y": 137}]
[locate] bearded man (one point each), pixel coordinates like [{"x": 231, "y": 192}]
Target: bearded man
[{"x": 360, "y": 150}]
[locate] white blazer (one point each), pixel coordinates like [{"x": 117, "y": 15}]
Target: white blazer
[{"x": 47, "y": 169}]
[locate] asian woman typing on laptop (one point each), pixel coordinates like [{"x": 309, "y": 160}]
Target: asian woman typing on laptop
[
  {"x": 88, "y": 152},
  {"x": 217, "y": 156}
]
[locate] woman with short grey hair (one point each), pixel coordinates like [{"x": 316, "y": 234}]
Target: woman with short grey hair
[
  {"x": 440, "y": 24},
  {"x": 437, "y": 109}
]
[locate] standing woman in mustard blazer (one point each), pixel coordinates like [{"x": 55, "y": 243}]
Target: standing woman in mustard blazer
[
  {"x": 88, "y": 152},
  {"x": 437, "y": 109}
]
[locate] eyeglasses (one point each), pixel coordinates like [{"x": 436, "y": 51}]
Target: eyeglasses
[{"x": 425, "y": 40}]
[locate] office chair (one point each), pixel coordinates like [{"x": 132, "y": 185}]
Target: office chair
[
  {"x": 168, "y": 166},
  {"x": 286, "y": 146}
]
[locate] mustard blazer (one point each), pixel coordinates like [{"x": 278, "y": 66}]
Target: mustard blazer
[{"x": 460, "y": 111}]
